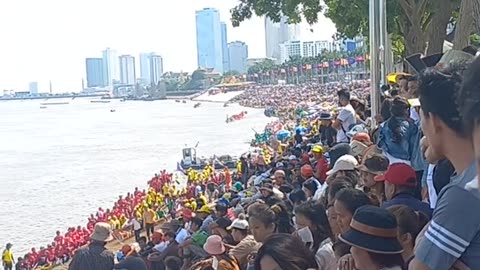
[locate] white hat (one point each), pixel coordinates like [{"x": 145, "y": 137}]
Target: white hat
[
  {"x": 344, "y": 163},
  {"x": 102, "y": 232},
  {"x": 240, "y": 224}
]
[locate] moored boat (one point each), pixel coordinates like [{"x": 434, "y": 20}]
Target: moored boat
[
  {"x": 190, "y": 160},
  {"x": 100, "y": 101}
]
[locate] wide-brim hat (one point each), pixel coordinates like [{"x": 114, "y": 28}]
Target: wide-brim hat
[
  {"x": 373, "y": 229},
  {"x": 325, "y": 116},
  {"x": 214, "y": 245},
  {"x": 102, "y": 232}
]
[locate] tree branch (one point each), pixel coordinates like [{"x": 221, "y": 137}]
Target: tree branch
[{"x": 407, "y": 8}]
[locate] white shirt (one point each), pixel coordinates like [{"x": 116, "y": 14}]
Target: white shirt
[
  {"x": 182, "y": 235},
  {"x": 432, "y": 194},
  {"x": 347, "y": 116},
  {"x": 161, "y": 247},
  {"x": 136, "y": 225}
]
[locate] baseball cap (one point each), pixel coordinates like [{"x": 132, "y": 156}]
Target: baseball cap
[
  {"x": 362, "y": 137},
  {"x": 399, "y": 174},
  {"x": 317, "y": 149},
  {"x": 344, "y": 163},
  {"x": 240, "y": 224}
]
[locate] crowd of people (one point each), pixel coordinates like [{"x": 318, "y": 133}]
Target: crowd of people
[{"x": 322, "y": 191}]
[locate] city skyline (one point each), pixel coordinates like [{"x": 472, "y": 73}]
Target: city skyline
[
  {"x": 68, "y": 37},
  {"x": 111, "y": 70}
]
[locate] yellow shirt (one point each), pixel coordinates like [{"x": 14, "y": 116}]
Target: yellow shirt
[
  {"x": 149, "y": 216},
  {"x": 7, "y": 256}
]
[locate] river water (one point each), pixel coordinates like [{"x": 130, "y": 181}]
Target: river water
[{"x": 59, "y": 164}]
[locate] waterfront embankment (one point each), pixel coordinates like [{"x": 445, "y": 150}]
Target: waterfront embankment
[{"x": 218, "y": 98}]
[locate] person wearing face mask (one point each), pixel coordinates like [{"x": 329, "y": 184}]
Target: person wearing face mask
[{"x": 314, "y": 230}]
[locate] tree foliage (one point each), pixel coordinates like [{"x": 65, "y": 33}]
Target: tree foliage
[{"x": 409, "y": 21}]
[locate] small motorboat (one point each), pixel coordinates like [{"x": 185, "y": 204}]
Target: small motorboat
[
  {"x": 197, "y": 105},
  {"x": 190, "y": 160},
  {"x": 43, "y": 107},
  {"x": 112, "y": 110},
  {"x": 184, "y": 101},
  {"x": 177, "y": 101},
  {"x": 225, "y": 105}
]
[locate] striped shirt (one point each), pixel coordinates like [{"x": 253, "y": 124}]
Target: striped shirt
[{"x": 454, "y": 233}]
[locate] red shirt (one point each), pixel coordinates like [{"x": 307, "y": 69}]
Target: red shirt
[
  {"x": 322, "y": 168},
  {"x": 33, "y": 257},
  {"x": 58, "y": 239}
]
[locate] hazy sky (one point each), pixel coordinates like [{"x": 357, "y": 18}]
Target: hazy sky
[{"x": 44, "y": 40}]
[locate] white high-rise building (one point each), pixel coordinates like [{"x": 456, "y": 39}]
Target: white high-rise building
[
  {"x": 151, "y": 68},
  {"x": 127, "y": 69},
  {"x": 156, "y": 68},
  {"x": 145, "y": 68},
  {"x": 110, "y": 67},
  {"x": 304, "y": 49},
  {"x": 290, "y": 49},
  {"x": 278, "y": 33},
  {"x": 33, "y": 88}
]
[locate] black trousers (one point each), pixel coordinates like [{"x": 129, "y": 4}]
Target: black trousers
[
  {"x": 137, "y": 234},
  {"x": 8, "y": 266},
  {"x": 149, "y": 228}
]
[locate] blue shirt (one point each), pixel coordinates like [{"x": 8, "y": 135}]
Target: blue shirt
[
  {"x": 454, "y": 233},
  {"x": 410, "y": 201}
]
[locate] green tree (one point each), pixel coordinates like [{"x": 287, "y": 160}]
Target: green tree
[{"x": 413, "y": 22}]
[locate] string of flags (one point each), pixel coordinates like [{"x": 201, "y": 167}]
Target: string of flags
[{"x": 308, "y": 67}]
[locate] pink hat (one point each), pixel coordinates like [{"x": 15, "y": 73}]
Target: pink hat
[{"x": 214, "y": 245}]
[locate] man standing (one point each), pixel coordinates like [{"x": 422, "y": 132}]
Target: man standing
[
  {"x": 95, "y": 256},
  {"x": 452, "y": 238},
  {"x": 7, "y": 258},
  {"x": 149, "y": 220},
  {"x": 346, "y": 116},
  {"x": 136, "y": 227}
]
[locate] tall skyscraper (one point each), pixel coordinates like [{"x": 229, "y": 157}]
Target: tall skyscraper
[
  {"x": 209, "y": 39},
  {"x": 95, "y": 72},
  {"x": 238, "y": 54},
  {"x": 278, "y": 33},
  {"x": 33, "y": 88},
  {"x": 145, "y": 68},
  {"x": 127, "y": 69},
  {"x": 156, "y": 68},
  {"x": 110, "y": 67},
  {"x": 225, "y": 53}
]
